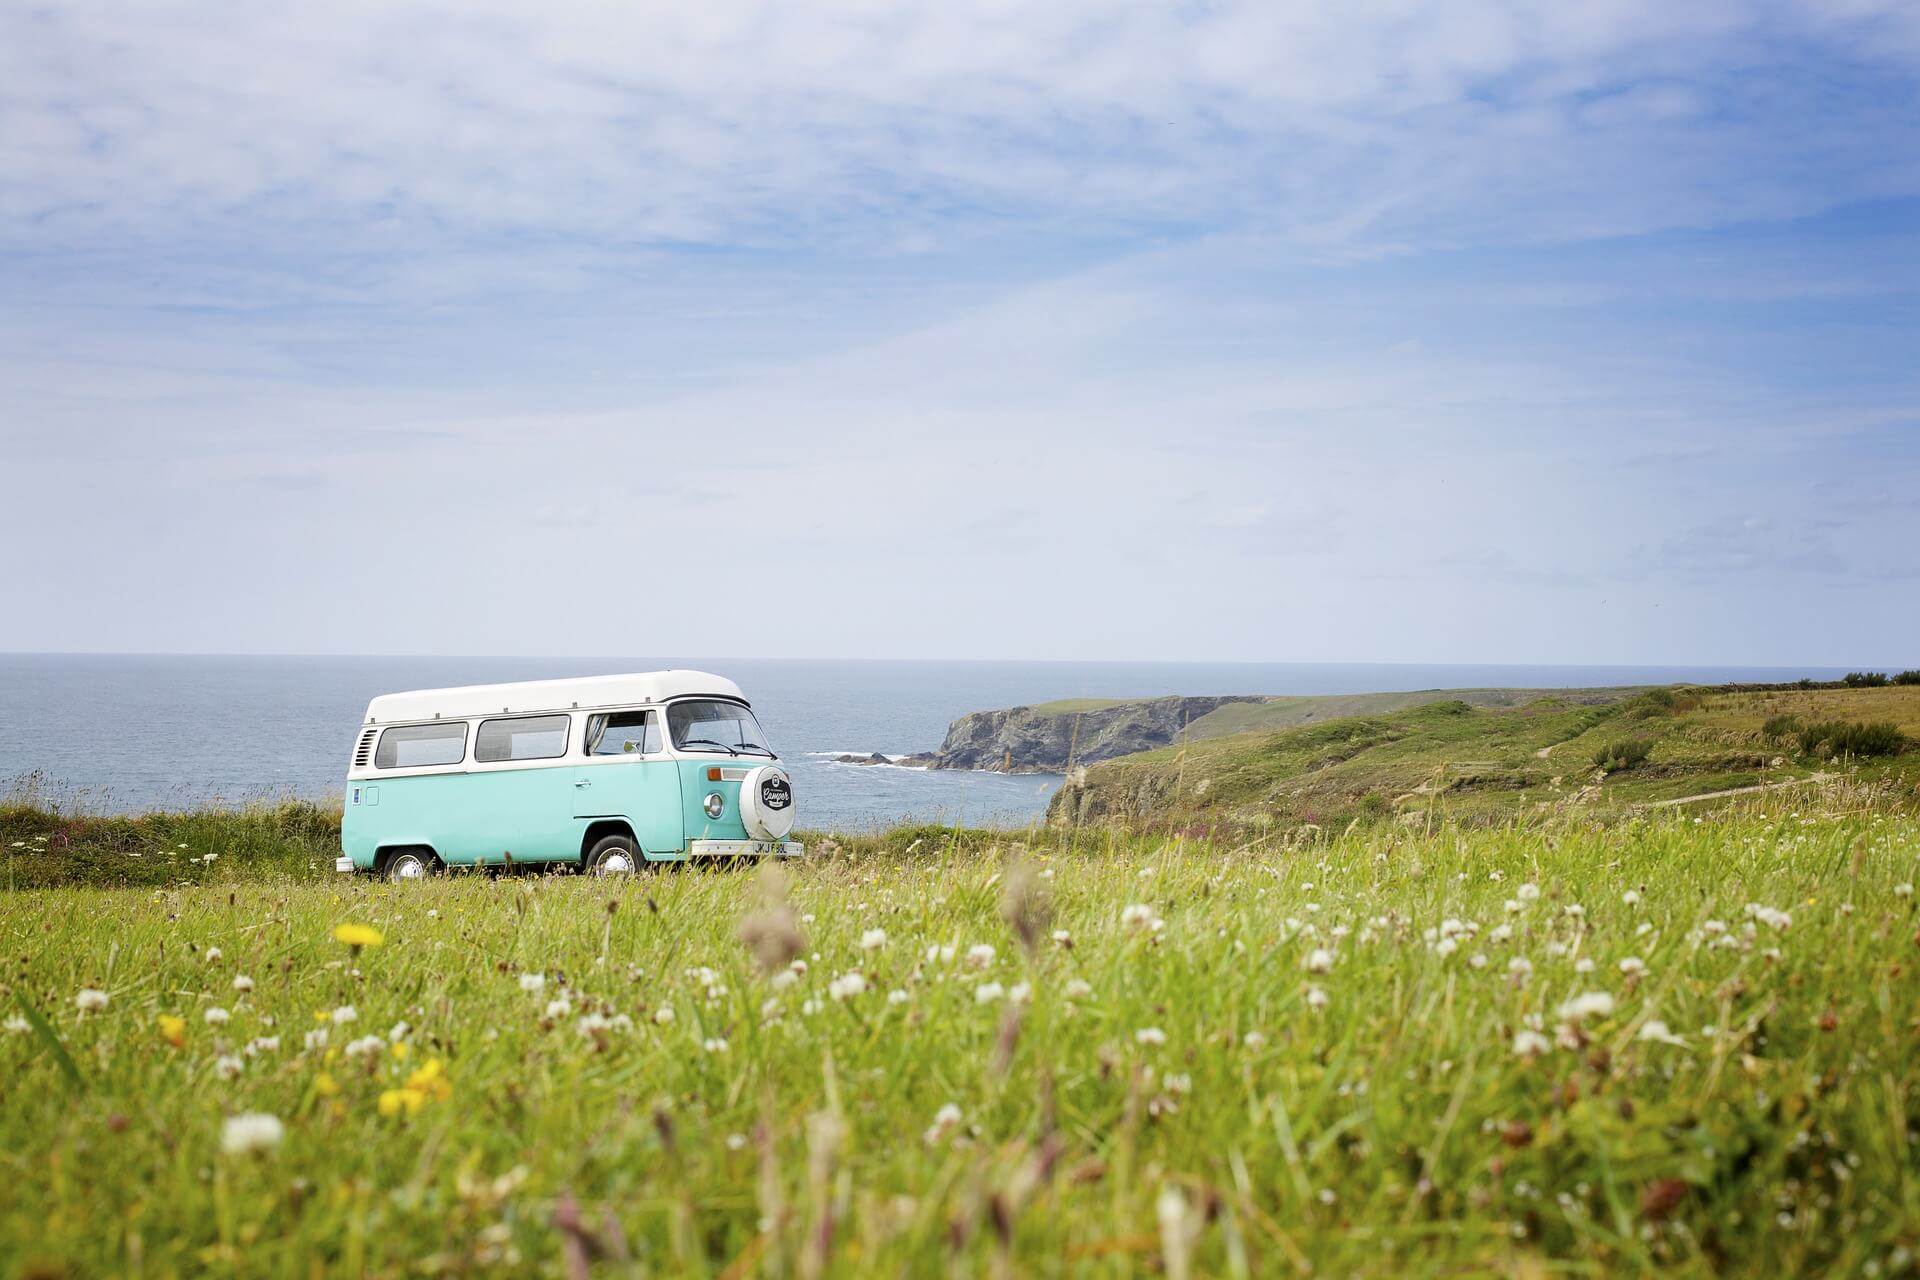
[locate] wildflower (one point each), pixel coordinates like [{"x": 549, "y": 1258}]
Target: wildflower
[
  {"x": 213, "y": 955},
  {"x": 714, "y": 1044},
  {"x": 364, "y": 1047},
  {"x": 1903, "y": 890},
  {"x": 1583, "y": 965},
  {"x": 263, "y": 1044},
  {"x": 91, "y": 1000},
  {"x": 663, "y": 1016},
  {"x": 1514, "y": 906},
  {"x": 1254, "y": 1040},
  {"x": 783, "y": 979},
  {"x": 394, "y": 1101},
  {"x": 173, "y": 1029},
  {"x": 941, "y": 954},
  {"x": 344, "y": 1014},
  {"x": 850, "y": 983},
  {"x": 736, "y": 1142},
  {"x": 1020, "y": 992},
  {"x": 317, "y": 1039},
  {"x": 1654, "y": 1029},
  {"x": 1178, "y": 1083},
  {"x": 1529, "y": 1043},
  {"x": 945, "y": 1121},
  {"x": 17, "y": 1025},
  {"x": 1445, "y": 947},
  {"x": 1065, "y": 939},
  {"x": 1520, "y": 967},
  {"x": 1631, "y": 897},
  {"x": 1150, "y": 1035},
  {"x": 228, "y": 1067},
  {"x": 559, "y": 1007},
  {"x": 1316, "y": 998},
  {"x": 1078, "y": 989},
  {"x": 217, "y": 1017},
  {"x": 1633, "y": 967},
  {"x": 1575, "y": 910},
  {"x": 1769, "y": 916},
  {"x": 242, "y": 983},
  {"x": 1319, "y": 960},
  {"x": 532, "y": 983},
  {"x": 988, "y": 992},
  {"x": 897, "y": 997},
  {"x": 398, "y": 1032},
  {"x": 1527, "y": 892},
  {"x": 1477, "y": 960},
  {"x": 356, "y": 936},
  {"x": 980, "y": 955},
  {"x": 1500, "y": 933},
  {"x": 1137, "y": 916},
  {"x": 873, "y": 939},
  {"x": 242, "y": 1134},
  {"x": 1593, "y": 1004},
  {"x": 325, "y": 1085}
]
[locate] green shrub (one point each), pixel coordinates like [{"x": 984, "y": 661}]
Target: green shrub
[
  {"x": 1865, "y": 679},
  {"x": 1907, "y": 677},
  {"x": 1625, "y": 754},
  {"x": 1780, "y": 728},
  {"x": 1846, "y": 738}
]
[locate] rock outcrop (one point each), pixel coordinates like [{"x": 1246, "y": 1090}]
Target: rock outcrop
[{"x": 1039, "y": 740}]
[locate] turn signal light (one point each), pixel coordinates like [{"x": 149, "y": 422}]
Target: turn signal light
[{"x": 713, "y": 775}]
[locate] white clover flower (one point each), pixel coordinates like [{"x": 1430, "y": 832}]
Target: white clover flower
[
  {"x": 592, "y": 1025},
  {"x": 938, "y": 954},
  {"x": 1593, "y": 1004},
  {"x": 1642, "y": 929},
  {"x": 1775, "y": 919},
  {"x": 242, "y": 1134},
  {"x": 873, "y": 939},
  {"x": 1903, "y": 890},
  {"x": 988, "y": 992},
  {"x": 1150, "y": 1036},
  {"x": 1078, "y": 989},
  {"x": 1713, "y": 927},
  {"x": 1520, "y": 967},
  {"x": 1254, "y": 1040},
  {"x": 980, "y": 955},
  {"x": 1445, "y": 947},
  {"x": 897, "y": 996},
  {"x": 663, "y": 1016},
  {"x": 1477, "y": 960},
  {"x": 91, "y": 1000},
  {"x": 533, "y": 982},
  {"x": 1319, "y": 960},
  {"x": 1020, "y": 993},
  {"x": 217, "y": 1017},
  {"x": 17, "y": 1025},
  {"x": 1514, "y": 906},
  {"x": 1528, "y": 1043},
  {"x": 811, "y": 1007},
  {"x": 1575, "y": 910},
  {"x": 228, "y": 1067},
  {"x": 1137, "y": 915},
  {"x": 364, "y": 1047},
  {"x": 1654, "y": 1029},
  {"x": 242, "y": 983},
  {"x": 559, "y": 1007},
  {"x": 850, "y": 983},
  {"x": 1500, "y": 933},
  {"x": 1316, "y": 998},
  {"x": 344, "y": 1014},
  {"x": 714, "y": 1044},
  {"x": 398, "y": 1032},
  {"x": 1633, "y": 967},
  {"x": 1583, "y": 965},
  {"x": 263, "y": 1044},
  {"x": 1527, "y": 892},
  {"x": 783, "y": 979},
  {"x": 213, "y": 954},
  {"x": 945, "y": 1121},
  {"x": 1062, "y": 937},
  {"x": 1631, "y": 897},
  {"x": 317, "y": 1038}
]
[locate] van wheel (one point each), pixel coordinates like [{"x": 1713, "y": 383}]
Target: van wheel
[
  {"x": 613, "y": 856},
  {"x": 411, "y": 864}
]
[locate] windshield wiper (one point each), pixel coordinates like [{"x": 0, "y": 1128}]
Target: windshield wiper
[
  {"x": 754, "y": 746},
  {"x": 687, "y": 742}
]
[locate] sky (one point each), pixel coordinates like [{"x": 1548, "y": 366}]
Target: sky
[{"x": 1482, "y": 331}]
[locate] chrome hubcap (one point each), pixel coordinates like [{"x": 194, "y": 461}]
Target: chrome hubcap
[
  {"x": 616, "y": 864},
  {"x": 409, "y": 868}
]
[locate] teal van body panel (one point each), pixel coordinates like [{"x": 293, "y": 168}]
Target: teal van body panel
[
  {"x": 643, "y": 793},
  {"x": 466, "y": 818},
  {"x": 695, "y": 787}
]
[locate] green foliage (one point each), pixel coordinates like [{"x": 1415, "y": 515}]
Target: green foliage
[
  {"x": 1865, "y": 679},
  {"x": 1848, "y": 738},
  {"x": 1907, "y": 677},
  {"x": 1195, "y": 1084},
  {"x": 40, "y": 848},
  {"x": 1780, "y": 728},
  {"x": 1624, "y": 754}
]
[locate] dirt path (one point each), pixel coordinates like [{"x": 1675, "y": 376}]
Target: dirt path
[{"x": 1739, "y": 791}]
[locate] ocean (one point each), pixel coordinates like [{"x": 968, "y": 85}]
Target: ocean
[{"x": 130, "y": 733}]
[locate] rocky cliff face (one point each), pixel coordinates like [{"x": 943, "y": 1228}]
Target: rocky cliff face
[{"x": 1031, "y": 740}]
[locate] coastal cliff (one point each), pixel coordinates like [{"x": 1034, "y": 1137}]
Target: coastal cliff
[{"x": 1051, "y": 737}]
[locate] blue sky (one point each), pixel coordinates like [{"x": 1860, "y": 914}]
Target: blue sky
[{"x": 1371, "y": 331}]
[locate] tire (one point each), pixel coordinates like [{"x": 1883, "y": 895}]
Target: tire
[
  {"x": 614, "y": 855},
  {"x": 410, "y": 864}
]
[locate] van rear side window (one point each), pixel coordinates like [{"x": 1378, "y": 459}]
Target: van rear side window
[
  {"x": 623, "y": 733},
  {"x": 412, "y": 746},
  {"x": 522, "y": 738}
]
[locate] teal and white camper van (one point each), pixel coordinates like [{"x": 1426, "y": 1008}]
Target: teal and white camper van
[{"x": 599, "y": 773}]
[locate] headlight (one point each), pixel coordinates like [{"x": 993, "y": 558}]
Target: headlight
[{"x": 716, "y": 804}]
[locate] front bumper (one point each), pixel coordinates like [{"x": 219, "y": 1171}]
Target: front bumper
[
  {"x": 343, "y": 864},
  {"x": 745, "y": 848}
]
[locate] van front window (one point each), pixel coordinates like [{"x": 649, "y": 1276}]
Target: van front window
[{"x": 708, "y": 724}]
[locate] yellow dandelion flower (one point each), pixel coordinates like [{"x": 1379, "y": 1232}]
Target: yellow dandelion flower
[
  {"x": 395, "y": 1101},
  {"x": 399, "y": 1049},
  {"x": 325, "y": 1085},
  {"x": 323, "y": 1015},
  {"x": 357, "y": 935},
  {"x": 173, "y": 1029}
]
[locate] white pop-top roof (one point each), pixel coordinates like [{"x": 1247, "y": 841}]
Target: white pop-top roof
[{"x": 547, "y": 695}]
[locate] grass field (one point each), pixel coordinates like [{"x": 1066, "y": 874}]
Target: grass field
[{"x": 1556, "y": 1048}]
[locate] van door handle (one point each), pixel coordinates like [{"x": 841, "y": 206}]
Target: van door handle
[{"x": 582, "y": 782}]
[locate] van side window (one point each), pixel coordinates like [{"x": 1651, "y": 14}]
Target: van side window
[
  {"x": 412, "y": 746},
  {"x": 521, "y": 738},
  {"x": 614, "y": 733}
]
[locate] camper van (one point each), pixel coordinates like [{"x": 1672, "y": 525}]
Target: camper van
[{"x": 600, "y": 773}]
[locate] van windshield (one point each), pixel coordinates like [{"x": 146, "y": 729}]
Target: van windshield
[{"x": 708, "y": 724}]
